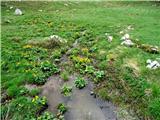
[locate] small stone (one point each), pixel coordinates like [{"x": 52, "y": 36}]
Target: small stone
[
  {"x": 121, "y": 32},
  {"x": 11, "y": 7},
  {"x": 126, "y": 36},
  {"x": 154, "y": 63},
  {"x": 123, "y": 38},
  {"x": 18, "y": 12},
  {"x": 106, "y": 34},
  {"x": 91, "y": 93},
  {"x": 149, "y": 66},
  {"x": 110, "y": 38},
  {"x": 149, "y": 61},
  {"x": 128, "y": 43}
]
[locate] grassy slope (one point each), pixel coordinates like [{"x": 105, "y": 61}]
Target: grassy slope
[{"x": 98, "y": 17}]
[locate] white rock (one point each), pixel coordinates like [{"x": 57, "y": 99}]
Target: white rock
[
  {"x": 106, "y": 34},
  {"x": 11, "y": 7},
  {"x": 110, "y": 38},
  {"x": 123, "y": 38},
  {"x": 18, "y": 12},
  {"x": 155, "y": 67},
  {"x": 149, "y": 66},
  {"x": 58, "y": 39},
  {"x": 127, "y": 43},
  {"x": 154, "y": 63},
  {"x": 121, "y": 32},
  {"x": 126, "y": 36},
  {"x": 149, "y": 61}
]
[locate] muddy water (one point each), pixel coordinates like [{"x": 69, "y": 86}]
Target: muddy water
[{"x": 81, "y": 105}]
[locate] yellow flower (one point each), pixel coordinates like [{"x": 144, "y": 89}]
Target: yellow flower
[
  {"x": 36, "y": 97},
  {"x": 85, "y": 50},
  {"x": 27, "y": 46},
  {"x": 33, "y": 100}
]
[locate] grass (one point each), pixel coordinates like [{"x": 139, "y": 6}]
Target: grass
[{"x": 125, "y": 68}]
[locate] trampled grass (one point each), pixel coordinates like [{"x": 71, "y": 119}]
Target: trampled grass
[{"x": 124, "y": 67}]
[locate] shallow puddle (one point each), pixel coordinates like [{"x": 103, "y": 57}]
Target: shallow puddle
[{"x": 81, "y": 105}]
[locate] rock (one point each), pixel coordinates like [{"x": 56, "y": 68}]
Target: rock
[
  {"x": 126, "y": 36},
  {"x": 121, "y": 32},
  {"x": 18, "y": 12},
  {"x": 153, "y": 64},
  {"x": 110, "y": 38},
  {"x": 11, "y": 7},
  {"x": 91, "y": 93},
  {"x": 149, "y": 61},
  {"x": 128, "y": 43},
  {"x": 154, "y": 49},
  {"x": 57, "y": 38}
]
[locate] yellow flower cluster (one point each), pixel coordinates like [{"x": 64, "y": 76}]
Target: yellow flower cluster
[
  {"x": 85, "y": 50},
  {"x": 35, "y": 98},
  {"x": 82, "y": 59},
  {"x": 27, "y": 46}
]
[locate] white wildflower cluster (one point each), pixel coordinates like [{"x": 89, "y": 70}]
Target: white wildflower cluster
[{"x": 152, "y": 64}]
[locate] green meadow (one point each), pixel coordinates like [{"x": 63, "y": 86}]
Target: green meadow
[{"x": 118, "y": 72}]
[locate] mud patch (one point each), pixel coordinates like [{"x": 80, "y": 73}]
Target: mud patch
[{"x": 30, "y": 86}]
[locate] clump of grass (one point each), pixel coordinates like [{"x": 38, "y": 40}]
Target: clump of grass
[
  {"x": 46, "y": 116},
  {"x": 80, "y": 83},
  {"x": 103, "y": 94},
  {"x": 66, "y": 90},
  {"x": 48, "y": 42},
  {"x": 56, "y": 54},
  {"x": 89, "y": 69},
  {"x": 154, "y": 108},
  {"x": 65, "y": 75},
  {"x": 34, "y": 92},
  {"x": 62, "y": 108},
  {"x": 99, "y": 75},
  {"x": 14, "y": 91},
  {"x": 20, "y": 108}
]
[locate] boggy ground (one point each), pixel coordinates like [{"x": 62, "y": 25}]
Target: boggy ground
[{"x": 118, "y": 73}]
